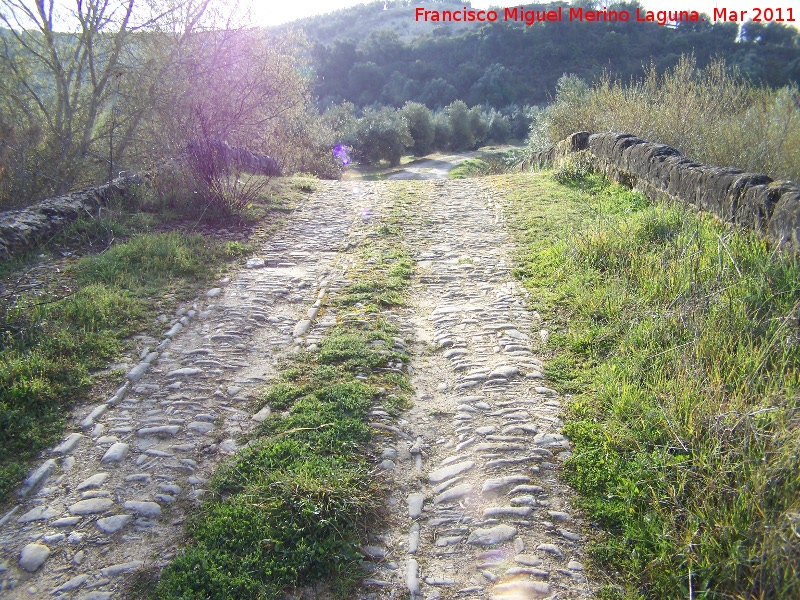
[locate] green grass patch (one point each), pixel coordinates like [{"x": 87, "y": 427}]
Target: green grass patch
[
  {"x": 48, "y": 349},
  {"x": 473, "y": 167},
  {"x": 678, "y": 338},
  {"x": 293, "y": 506},
  {"x": 151, "y": 262}
]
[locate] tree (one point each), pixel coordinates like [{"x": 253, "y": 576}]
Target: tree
[
  {"x": 458, "y": 119},
  {"x": 237, "y": 86},
  {"x": 420, "y": 126},
  {"x": 380, "y": 135},
  {"x": 60, "y": 88}
]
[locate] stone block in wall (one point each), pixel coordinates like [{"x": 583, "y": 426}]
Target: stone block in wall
[
  {"x": 784, "y": 226},
  {"x": 658, "y": 161},
  {"x": 713, "y": 187},
  {"x": 736, "y": 192},
  {"x": 599, "y": 144},
  {"x": 683, "y": 181},
  {"x": 758, "y": 203},
  {"x": 578, "y": 141},
  {"x": 23, "y": 228}
]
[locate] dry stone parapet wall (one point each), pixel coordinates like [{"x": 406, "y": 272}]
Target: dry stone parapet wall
[
  {"x": 23, "y": 228},
  {"x": 751, "y": 200},
  {"x": 20, "y": 229}
]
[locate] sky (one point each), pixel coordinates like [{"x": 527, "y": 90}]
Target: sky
[{"x": 274, "y": 12}]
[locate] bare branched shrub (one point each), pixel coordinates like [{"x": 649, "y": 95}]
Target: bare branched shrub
[{"x": 712, "y": 115}]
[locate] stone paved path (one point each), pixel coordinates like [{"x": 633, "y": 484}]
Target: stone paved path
[
  {"x": 476, "y": 508},
  {"x": 480, "y": 510},
  {"x": 113, "y": 496}
]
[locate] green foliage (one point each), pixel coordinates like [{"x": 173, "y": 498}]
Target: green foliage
[
  {"x": 459, "y": 123},
  {"x": 510, "y": 63},
  {"x": 674, "y": 333},
  {"x": 153, "y": 261},
  {"x": 473, "y": 167},
  {"x": 712, "y": 114},
  {"x": 50, "y": 345},
  {"x": 380, "y": 135},
  {"x": 420, "y": 127},
  {"x": 47, "y": 350}
]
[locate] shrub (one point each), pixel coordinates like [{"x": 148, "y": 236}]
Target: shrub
[
  {"x": 713, "y": 115},
  {"x": 420, "y": 127}
]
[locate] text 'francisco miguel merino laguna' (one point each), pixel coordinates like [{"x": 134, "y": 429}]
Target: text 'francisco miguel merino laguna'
[{"x": 529, "y": 17}]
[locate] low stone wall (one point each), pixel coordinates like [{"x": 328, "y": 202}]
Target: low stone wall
[
  {"x": 20, "y": 229},
  {"x": 750, "y": 200}
]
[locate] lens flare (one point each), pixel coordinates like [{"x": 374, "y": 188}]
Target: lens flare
[{"x": 340, "y": 153}]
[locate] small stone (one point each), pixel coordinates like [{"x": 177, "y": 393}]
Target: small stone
[
  {"x": 98, "y": 596},
  {"x": 574, "y": 565},
  {"x": 95, "y": 481},
  {"x": 415, "y": 505},
  {"x": 550, "y": 549},
  {"x": 387, "y": 465},
  {"x": 559, "y": 516},
  {"x": 72, "y": 584},
  {"x": 38, "y": 476},
  {"x": 485, "y": 430},
  {"x": 164, "y": 431},
  {"x": 138, "y": 371},
  {"x": 448, "y": 540},
  {"x": 228, "y": 446},
  {"x": 113, "y": 524},
  {"x": 254, "y": 263},
  {"x": 301, "y": 328},
  {"x": 33, "y": 556},
  {"x": 201, "y": 427},
  {"x": 40, "y": 513},
  {"x": 507, "y": 511},
  {"x": 262, "y": 414},
  {"x": 65, "y": 522},
  {"x": 121, "y": 568},
  {"x": 75, "y": 538},
  {"x": 449, "y": 471},
  {"x": 529, "y": 560},
  {"x": 491, "y": 535},
  {"x": 496, "y": 485},
  {"x": 143, "y": 509},
  {"x": 413, "y": 538},
  {"x": 68, "y": 445},
  {"x": 530, "y": 590},
  {"x": 98, "y": 411},
  {"x": 169, "y": 488},
  {"x": 373, "y": 552},
  {"x": 504, "y": 371},
  {"x": 412, "y": 581},
  {"x": 453, "y": 494},
  {"x": 213, "y": 293},
  {"x": 115, "y": 453},
  {"x": 91, "y": 506},
  {"x": 78, "y": 558},
  {"x": 185, "y": 372}
]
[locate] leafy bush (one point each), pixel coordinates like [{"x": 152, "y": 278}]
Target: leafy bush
[
  {"x": 380, "y": 135},
  {"x": 420, "y": 127}
]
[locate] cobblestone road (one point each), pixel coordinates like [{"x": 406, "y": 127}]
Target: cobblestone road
[{"x": 478, "y": 511}]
